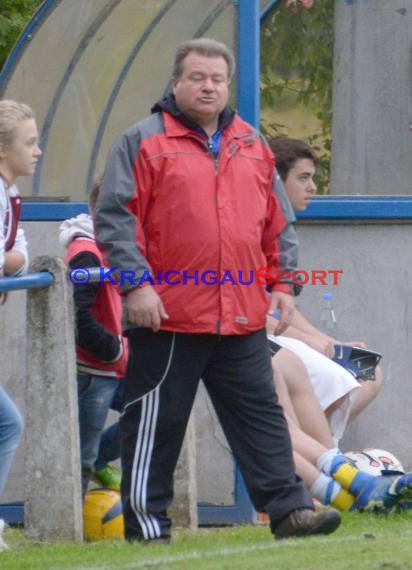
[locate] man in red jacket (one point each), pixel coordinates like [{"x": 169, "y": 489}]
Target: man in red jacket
[{"x": 188, "y": 218}]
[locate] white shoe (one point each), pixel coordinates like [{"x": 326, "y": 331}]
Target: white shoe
[{"x": 3, "y": 544}]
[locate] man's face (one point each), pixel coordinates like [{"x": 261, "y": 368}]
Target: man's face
[
  {"x": 299, "y": 184},
  {"x": 202, "y": 90}
]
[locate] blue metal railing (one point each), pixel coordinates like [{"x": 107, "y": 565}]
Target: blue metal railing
[
  {"x": 29, "y": 281},
  {"x": 41, "y": 280},
  {"x": 51, "y": 211},
  {"x": 329, "y": 208},
  {"x": 321, "y": 208}
]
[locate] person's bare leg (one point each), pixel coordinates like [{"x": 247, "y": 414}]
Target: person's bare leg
[
  {"x": 306, "y": 451},
  {"x": 306, "y": 407},
  {"x": 368, "y": 392},
  {"x": 305, "y": 469},
  {"x": 283, "y": 392},
  {"x": 303, "y": 444}
]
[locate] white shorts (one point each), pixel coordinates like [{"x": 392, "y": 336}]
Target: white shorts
[{"x": 330, "y": 381}]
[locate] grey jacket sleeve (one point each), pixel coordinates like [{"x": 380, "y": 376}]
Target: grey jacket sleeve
[
  {"x": 116, "y": 226},
  {"x": 289, "y": 244}
]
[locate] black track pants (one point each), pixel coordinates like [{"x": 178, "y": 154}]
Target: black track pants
[{"x": 162, "y": 378}]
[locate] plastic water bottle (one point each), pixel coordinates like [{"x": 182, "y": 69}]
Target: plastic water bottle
[{"x": 327, "y": 315}]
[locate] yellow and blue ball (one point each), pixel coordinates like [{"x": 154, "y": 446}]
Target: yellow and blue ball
[{"x": 103, "y": 515}]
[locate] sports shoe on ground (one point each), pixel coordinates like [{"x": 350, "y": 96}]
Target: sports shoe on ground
[
  {"x": 3, "y": 544},
  {"x": 404, "y": 505},
  {"x": 164, "y": 540},
  {"x": 384, "y": 492},
  {"x": 305, "y": 522},
  {"x": 109, "y": 477}
]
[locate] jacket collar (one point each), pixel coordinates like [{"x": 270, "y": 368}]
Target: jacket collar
[{"x": 168, "y": 105}]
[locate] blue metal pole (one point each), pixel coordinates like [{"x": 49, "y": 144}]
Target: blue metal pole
[
  {"x": 322, "y": 207},
  {"x": 30, "y": 281},
  {"x": 51, "y": 211},
  {"x": 248, "y": 60},
  {"x": 45, "y": 279}
]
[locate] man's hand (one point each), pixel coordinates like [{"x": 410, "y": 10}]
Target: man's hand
[
  {"x": 145, "y": 308},
  {"x": 286, "y": 305}
]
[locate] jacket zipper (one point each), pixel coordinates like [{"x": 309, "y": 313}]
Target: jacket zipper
[
  {"x": 209, "y": 147},
  {"x": 215, "y": 158}
]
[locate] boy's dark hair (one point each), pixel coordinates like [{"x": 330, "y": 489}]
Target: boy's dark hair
[
  {"x": 94, "y": 194},
  {"x": 287, "y": 151}
]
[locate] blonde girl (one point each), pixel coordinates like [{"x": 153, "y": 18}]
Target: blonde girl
[{"x": 19, "y": 153}]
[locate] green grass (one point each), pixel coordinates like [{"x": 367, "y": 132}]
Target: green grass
[{"x": 362, "y": 542}]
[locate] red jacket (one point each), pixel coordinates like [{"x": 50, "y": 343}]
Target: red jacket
[
  {"x": 107, "y": 310},
  {"x": 167, "y": 205}
]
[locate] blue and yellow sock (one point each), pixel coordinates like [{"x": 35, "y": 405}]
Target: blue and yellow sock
[
  {"x": 329, "y": 492},
  {"x": 336, "y": 465}
]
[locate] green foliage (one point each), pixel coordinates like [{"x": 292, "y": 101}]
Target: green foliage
[
  {"x": 297, "y": 68},
  {"x": 14, "y": 15}
]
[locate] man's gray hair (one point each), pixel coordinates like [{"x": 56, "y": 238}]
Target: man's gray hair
[{"x": 206, "y": 47}]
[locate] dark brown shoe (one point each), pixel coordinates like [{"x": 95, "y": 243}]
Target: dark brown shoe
[{"x": 305, "y": 522}]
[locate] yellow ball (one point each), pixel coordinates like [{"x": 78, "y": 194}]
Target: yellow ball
[{"x": 103, "y": 515}]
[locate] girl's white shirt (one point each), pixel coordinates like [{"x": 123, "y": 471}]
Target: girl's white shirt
[{"x": 20, "y": 243}]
